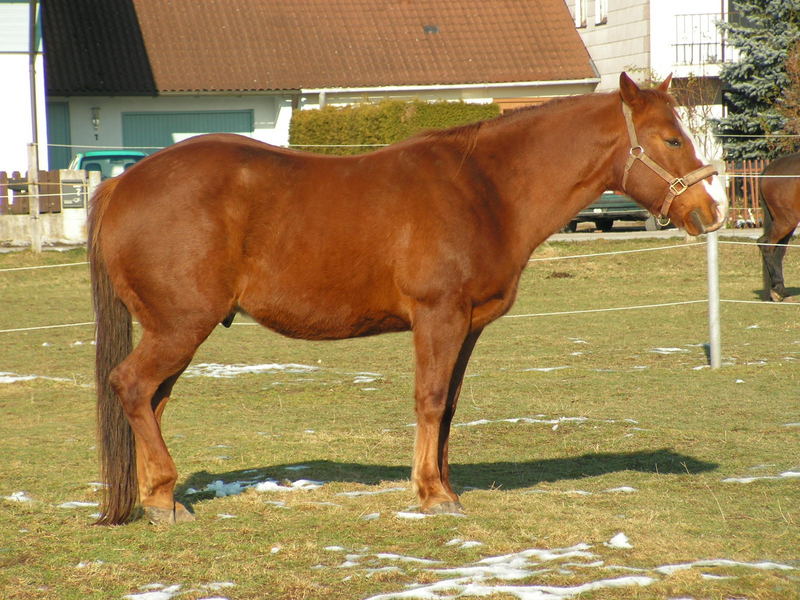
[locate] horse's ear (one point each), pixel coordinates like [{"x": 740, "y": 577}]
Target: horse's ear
[
  {"x": 664, "y": 87},
  {"x": 628, "y": 89}
]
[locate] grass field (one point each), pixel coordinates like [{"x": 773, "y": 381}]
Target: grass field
[{"x": 595, "y": 453}]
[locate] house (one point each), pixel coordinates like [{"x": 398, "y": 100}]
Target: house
[
  {"x": 22, "y": 99},
  {"x": 653, "y": 38},
  {"x": 147, "y": 73}
]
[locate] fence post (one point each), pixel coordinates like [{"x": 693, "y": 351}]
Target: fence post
[
  {"x": 33, "y": 198},
  {"x": 715, "y": 345}
]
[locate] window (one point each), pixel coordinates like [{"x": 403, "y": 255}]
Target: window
[
  {"x": 600, "y": 12},
  {"x": 580, "y": 12}
]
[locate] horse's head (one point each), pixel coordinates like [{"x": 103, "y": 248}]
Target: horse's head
[{"x": 662, "y": 169}]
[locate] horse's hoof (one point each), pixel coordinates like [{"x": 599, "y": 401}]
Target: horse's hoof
[
  {"x": 445, "y": 508},
  {"x": 775, "y": 296},
  {"x": 165, "y": 516}
]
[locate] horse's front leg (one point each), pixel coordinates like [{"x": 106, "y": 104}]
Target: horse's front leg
[{"x": 440, "y": 335}]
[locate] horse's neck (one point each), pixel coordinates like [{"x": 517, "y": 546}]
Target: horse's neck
[{"x": 550, "y": 163}]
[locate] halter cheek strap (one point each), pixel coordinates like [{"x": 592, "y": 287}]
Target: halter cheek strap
[{"x": 677, "y": 185}]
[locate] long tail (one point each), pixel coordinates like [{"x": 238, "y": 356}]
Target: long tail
[
  {"x": 114, "y": 342},
  {"x": 765, "y": 212}
]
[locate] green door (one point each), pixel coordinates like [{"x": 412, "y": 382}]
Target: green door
[
  {"x": 151, "y": 130},
  {"x": 58, "y": 136}
]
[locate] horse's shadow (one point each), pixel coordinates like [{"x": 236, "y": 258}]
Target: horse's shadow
[{"x": 503, "y": 475}]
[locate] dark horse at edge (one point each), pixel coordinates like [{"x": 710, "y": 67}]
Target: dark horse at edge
[
  {"x": 779, "y": 194},
  {"x": 430, "y": 235}
]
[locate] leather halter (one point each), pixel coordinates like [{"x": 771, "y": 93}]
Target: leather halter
[{"x": 677, "y": 185}]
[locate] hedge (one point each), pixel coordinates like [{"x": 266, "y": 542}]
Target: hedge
[{"x": 365, "y": 125}]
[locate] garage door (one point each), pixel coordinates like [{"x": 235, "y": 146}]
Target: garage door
[{"x": 159, "y": 129}]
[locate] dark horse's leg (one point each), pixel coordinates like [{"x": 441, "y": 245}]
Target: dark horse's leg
[
  {"x": 143, "y": 382},
  {"x": 443, "y": 346},
  {"x": 772, "y": 265}
]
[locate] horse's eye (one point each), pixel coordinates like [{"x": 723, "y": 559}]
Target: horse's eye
[{"x": 674, "y": 142}]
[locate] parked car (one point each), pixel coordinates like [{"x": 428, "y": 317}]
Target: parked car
[
  {"x": 109, "y": 163},
  {"x": 610, "y": 207}
]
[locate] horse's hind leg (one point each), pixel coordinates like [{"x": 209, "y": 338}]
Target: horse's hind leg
[
  {"x": 143, "y": 382},
  {"x": 773, "y": 251}
]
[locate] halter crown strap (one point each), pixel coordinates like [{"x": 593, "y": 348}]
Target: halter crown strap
[{"x": 677, "y": 185}]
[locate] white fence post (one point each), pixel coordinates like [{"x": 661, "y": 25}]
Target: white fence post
[{"x": 715, "y": 346}]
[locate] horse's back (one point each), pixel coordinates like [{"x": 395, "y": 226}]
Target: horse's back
[{"x": 311, "y": 246}]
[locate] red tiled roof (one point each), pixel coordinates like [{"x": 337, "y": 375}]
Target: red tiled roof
[{"x": 252, "y": 45}]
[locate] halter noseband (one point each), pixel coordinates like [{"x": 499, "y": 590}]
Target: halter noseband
[{"x": 677, "y": 185}]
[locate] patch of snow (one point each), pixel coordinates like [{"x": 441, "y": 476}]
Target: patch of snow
[
  {"x": 622, "y": 489},
  {"x": 89, "y": 563},
  {"x": 229, "y": 371},
  {"x": 784, "y": 475},
  {"x": 300, "y": 484},
  {"x": 410, "y": 515},
  {"x": 540, "y": 419},
  {"x": 668, "y": 350},
  {"x": 233, "y": 488},
  {"x": 463, "y": 544},
  {"x": 159, "y": 591},
  {"x": 77, "y": 504},
  {"x": 371, "y": 516},
  {"x": 18, "y": 497},
  {"x": 619, "y": 541},
  {"x": 6, "y": 377},
  {"x": 723, "y": 562},
  {"x": 371, "y": 493},
  {"x": 544, "y": 369}
]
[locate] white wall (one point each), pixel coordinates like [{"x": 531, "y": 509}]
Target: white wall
[
  {"x": 622, "y": 43},
  {"x": 16, "y": 130},
  {"x": 640, "y": 35},
  {"x": 663, "y": 35},
  {"x": 271, "y": 115}
]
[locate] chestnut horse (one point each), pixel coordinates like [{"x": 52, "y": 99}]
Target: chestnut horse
[
  {"x": 779, "y": 193},
  {"x": 430, "y": 235}
]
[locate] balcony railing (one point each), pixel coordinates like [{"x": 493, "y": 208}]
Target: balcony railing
[{"x": 698, "y": 40}]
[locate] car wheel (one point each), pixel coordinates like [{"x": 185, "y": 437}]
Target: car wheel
[{"x": 604, "y": 224}]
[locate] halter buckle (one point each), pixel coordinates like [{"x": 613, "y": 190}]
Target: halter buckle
[{"x": 677, "y": 186}]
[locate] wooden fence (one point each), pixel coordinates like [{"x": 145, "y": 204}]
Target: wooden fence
[
  {"x": 57, "y": 189},
  {"x": 743, "y": 182}
]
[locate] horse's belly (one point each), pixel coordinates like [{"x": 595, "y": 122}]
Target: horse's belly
[{"x": 320, "y": 320}]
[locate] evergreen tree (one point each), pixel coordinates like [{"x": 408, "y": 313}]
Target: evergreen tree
[
  {"x": 762, "y": 31},
  {"x": 789, "y": 104}
]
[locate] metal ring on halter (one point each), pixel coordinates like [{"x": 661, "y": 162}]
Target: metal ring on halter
[
  {"x": 636, "y": 151},
  {"x": 660, "y": 223}
]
